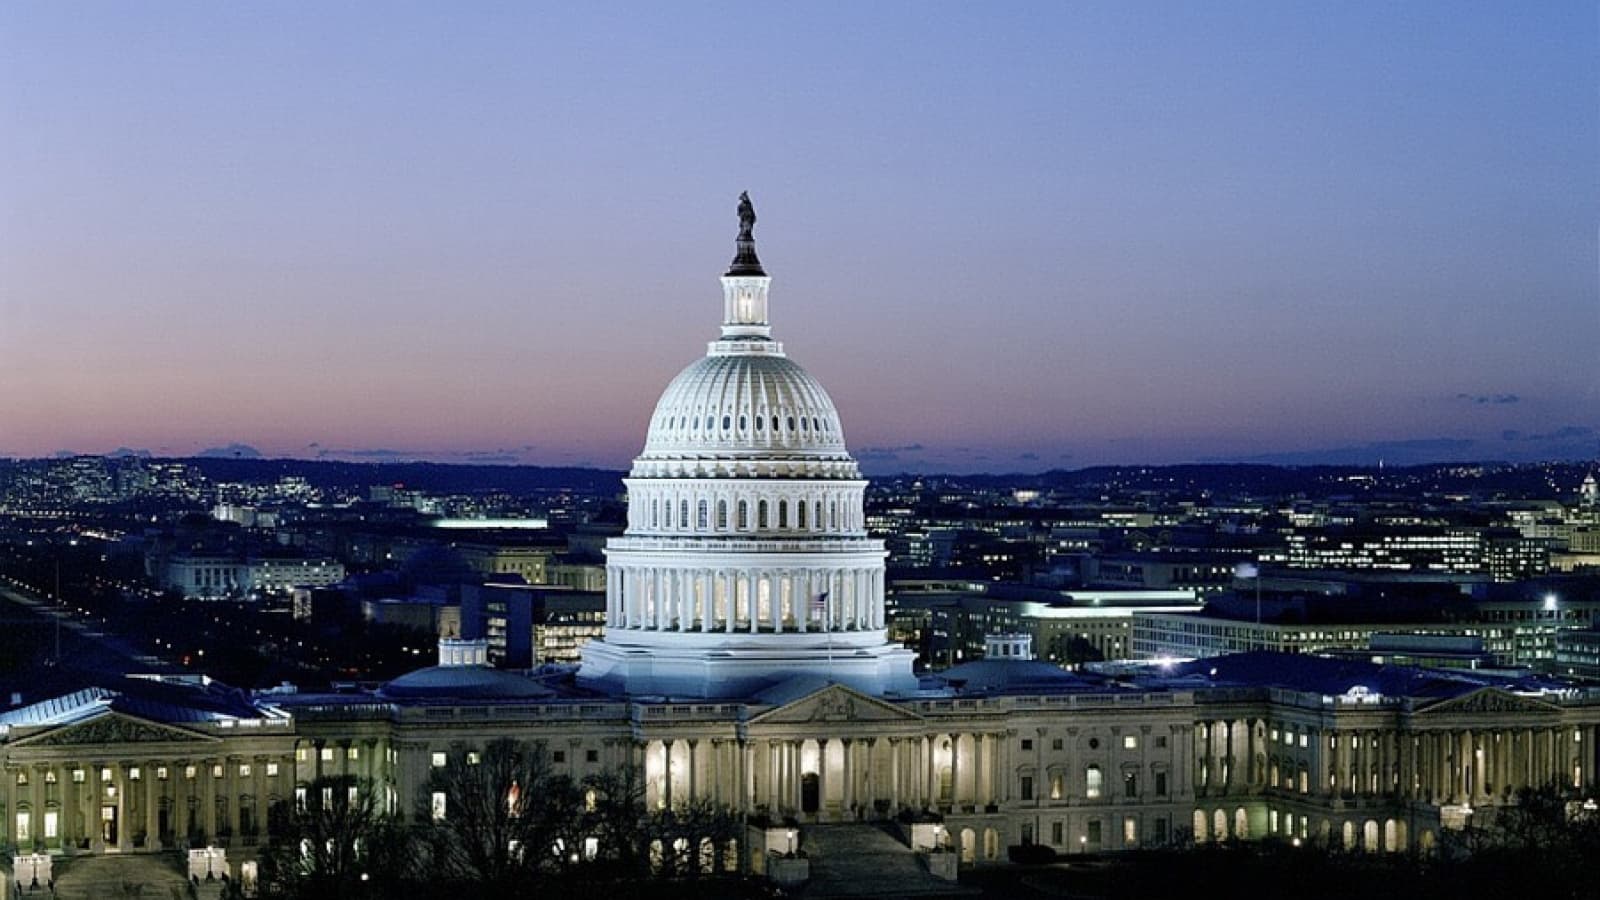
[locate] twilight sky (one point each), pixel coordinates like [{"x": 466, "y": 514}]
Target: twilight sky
[{"x": 1006, "y": 236}]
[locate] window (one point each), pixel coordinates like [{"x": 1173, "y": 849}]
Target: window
[
  {"x": 244, "y": 770},
  {"x": 722, "y": 514},
  {"x": 50, "y": 776},
  {"x": 436, "y": 806},
  {"x": 272, "y": 770},
  {"x": 300, "y": 798},
  {"x": 300, "y": 754},
  {"x": 1302, "y": 739},
  {"x": 472, "y": 758},
  {"x": 352, "y": 796},
  {"x": 559, "y": 756},
  {"x": 24, "y": 828},
  {"x": 1055, "y": 787},
  {"x": 1027, "y": 787},
  {"x": 1159, "y": 831},
  {"x": 22, "y": 779},
  {"x": 592, "y": 756},
  {"x": 327, "y": 754},
  {"x": 1056, "y": 835},
  {"x": 1027, "y": 743},
  {"x": 51, "y": 821},
  {"x": 1130, "y": 742},
  {"x": 189, "y": 772},
  {"x": 1057, "y": 744},
  {"x": 1130, "y": 784},
  {"x": 1094, "y": 833},
  {"x": 702, "y": 515},
  {"x": 216, "y": 771},
  {"x": 1161, "y": 784},
  {"x": 1161, "y": 742},
  {"x": 1130, "y": 831},
  {"x": 352, "y": 753},
  {"x": 1092, "y": 782},
  {"x": 761, "y": 514},
  {"x": 438, "y": 760},
  {"x": 77, "y": 776}
]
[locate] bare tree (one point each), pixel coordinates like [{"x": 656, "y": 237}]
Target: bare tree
[
  {"x": 336, "y": 843},
  {"x": 506, "y": 820}
]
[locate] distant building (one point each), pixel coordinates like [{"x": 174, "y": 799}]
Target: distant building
[{"x": 212, "y": 577}]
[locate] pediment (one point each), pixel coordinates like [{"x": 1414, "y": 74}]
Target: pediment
[
  {"x": 113, "y": 728},
  {"x": 835, "y": 703},
  {"x": 1490, "y": 700}
]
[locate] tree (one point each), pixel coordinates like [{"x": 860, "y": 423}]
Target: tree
[
  {"x": 336, "y": 843},
  {"x": 616, "y": 815},
  {"x": 500, "y": 820}
]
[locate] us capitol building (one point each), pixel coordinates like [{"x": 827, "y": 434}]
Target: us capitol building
[{"x": 746, "y": 662}]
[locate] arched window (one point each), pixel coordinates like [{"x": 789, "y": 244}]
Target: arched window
[
  {"x": 816, "y": 513},
  {"x": 655, "y": 513},
  {"x": 1093, "y": 782},
  {"x": 783, "y": 514},
  {"x": 727, "y": 422},
  {"x": 666, "y": 514},
  {"x": 761, "y": 514},
  {"x": 760, "y": 423},
  {"x": 701, "y": 516},
  {"x": 683, "y": 514},
  {"x": 800, "y": 515},
  {"x": 722, "y": 515},
  {"x": 744, "y": 516}
]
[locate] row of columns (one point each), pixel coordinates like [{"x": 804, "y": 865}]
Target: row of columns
[
  {"x": 1226, "y": 755},
  {"x": 722, "y": 516},
  {"x": 135, "y": 802},
  {"x": 1446, "y": 765},
  {"x": 756, "y": 599},
  {"x": 854, "y": 774}
]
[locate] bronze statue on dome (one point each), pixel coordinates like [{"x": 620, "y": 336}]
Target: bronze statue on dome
[{"x": 747, "y": 217}]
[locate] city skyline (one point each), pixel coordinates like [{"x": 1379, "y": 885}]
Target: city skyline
[{"x": 1108, "y": 235}]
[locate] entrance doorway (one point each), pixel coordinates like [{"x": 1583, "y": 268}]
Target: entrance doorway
[
  {"x": 810, "y": 792},
  {"x": 108, "y": 825}
]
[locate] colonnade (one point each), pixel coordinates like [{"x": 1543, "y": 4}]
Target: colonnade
[
  {"x": 842, "y": 777},
  {"x": 125, "y": 804},
  {"x": 752, "y": 599}
]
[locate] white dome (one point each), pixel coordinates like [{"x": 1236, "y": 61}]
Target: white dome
[{"x": 743, "y": 408}]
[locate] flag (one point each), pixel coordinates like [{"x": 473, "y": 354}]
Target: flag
[{"x": 819, "y": 604}]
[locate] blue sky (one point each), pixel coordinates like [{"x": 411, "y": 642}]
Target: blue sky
[{"x": 1005, "y": 236}]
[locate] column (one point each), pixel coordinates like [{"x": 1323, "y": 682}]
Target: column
[
  {"x": 124, "y": 807},
  {"x": 152, "y": 825},
  {"x": 694, "y": 770},
  {"x": 795, "y": 774},
  {"x": 955, "y": 770},
  {"x": 822, "y": 776},
  {"x": 847, "y": 798},
  {"x": 666, "y": 777},
  {"x": 894, "y": 775},
  {"x": 979, "y": 796}
]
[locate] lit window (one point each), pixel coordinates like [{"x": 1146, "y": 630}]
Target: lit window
[
  {"x": 24, "y": 828},
  {"x": 438, "y": 760},
  {"x": 472, "y": 758},
  {"x": 300, "y": 798},
  {"x": 161, "y": 773},
  {"x": 300, "y": 754},
  {"x": 216, "y": 771},
  {"x": 1092, "y": 782},
  {"x": 327, "y": 754},
  {"x": 78, "y": 776},
  {"x": 244, "y": 770},
  {"x": 105, "y": 774},
  {"x": 1130, "y": 742},
  {"x": 436, "y": 806},
  {"x": 50, "y": 777},
  {"x": 188, "y": 772},
  {"x": 272, "y": 770},
  {"x": 352, "y": 753},
  {"x": 51, "y": 819}
]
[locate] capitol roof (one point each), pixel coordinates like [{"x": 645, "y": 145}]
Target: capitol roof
[{"x": 464, "y": 683}]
